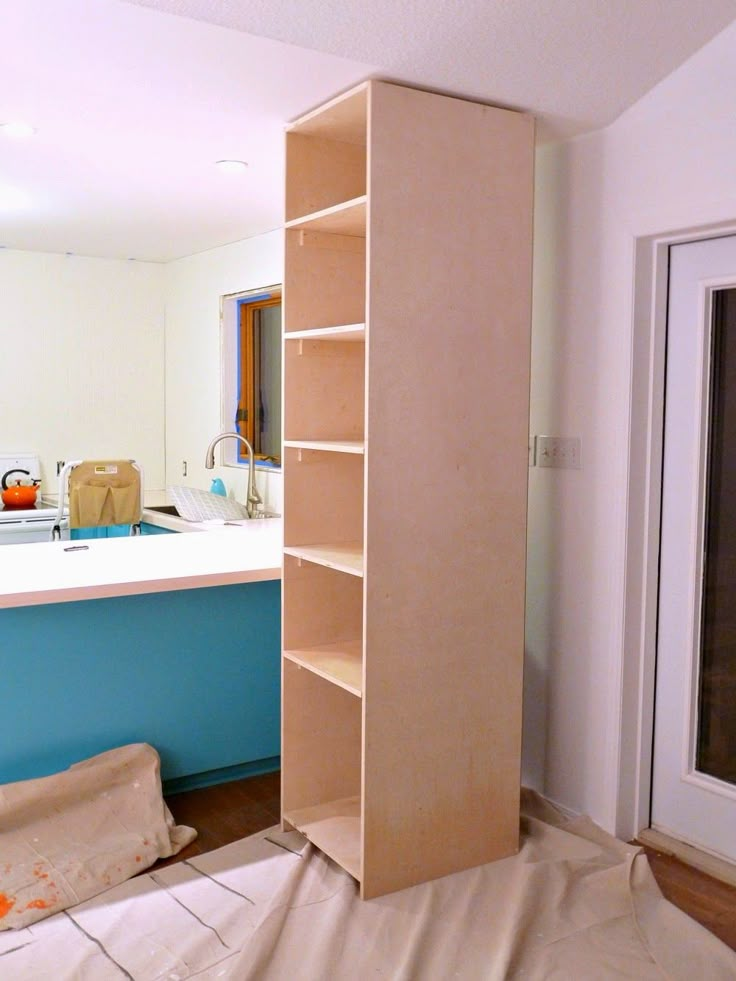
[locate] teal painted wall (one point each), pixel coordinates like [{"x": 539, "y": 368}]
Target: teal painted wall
[
  {"x": 195, "y": 673},
  {"x": 116, "y": 531},
  {"x": 147, "y": 529}
]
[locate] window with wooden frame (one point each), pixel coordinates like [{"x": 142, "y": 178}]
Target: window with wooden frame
[{"x": 258, "y": 416}]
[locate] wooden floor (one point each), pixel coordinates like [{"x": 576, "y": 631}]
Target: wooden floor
[
  {"x": 707, "y": 900},
  {"x": 226, "y": 812},
  {"x": 230, "y": 811}
]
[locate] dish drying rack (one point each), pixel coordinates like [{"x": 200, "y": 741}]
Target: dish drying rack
[{"x": 198, "y": 505}]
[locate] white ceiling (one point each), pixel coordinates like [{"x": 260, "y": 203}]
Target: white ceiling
[
  {"x": 575, "y": 63},
  {"x": 134, "y": 105}
]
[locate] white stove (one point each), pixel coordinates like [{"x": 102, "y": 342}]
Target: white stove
[{"x": 19, "y": 526}]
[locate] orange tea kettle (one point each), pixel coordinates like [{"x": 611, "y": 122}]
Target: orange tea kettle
[{"x": 19, "y": 495}]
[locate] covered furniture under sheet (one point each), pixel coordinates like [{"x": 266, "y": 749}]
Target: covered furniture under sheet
[{"x": 72, "y": 835}]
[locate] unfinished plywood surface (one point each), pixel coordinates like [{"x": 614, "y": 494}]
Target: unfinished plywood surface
[
  {"x": 448, "y": 400},
  {"x": 321, "y": 605},
  {"x": 324, "y": 280},
  {"x": 345, "y": 332},
  {"x": 335, "y": 828},
  {"x": 328, "y": 445},
  {"x": 446, "y": 389},
  {"x": 320, "y": 740},
  {"x": 321, "y": 173},
  {"x": 344, "y": 557},
  {"x": 325, "y": 381},
  {"x": 323, "y": 496},
  {"x": 341, "y": 663},
  {"x": 342, "y": 118},
  {"x": 346, "y": 218}
]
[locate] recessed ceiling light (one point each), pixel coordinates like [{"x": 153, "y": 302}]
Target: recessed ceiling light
[
  {"x": 232, "y": 166},
  {"x": 17, "y": 130}
]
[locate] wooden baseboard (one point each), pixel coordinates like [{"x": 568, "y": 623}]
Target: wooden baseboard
[{"x": 719, "y": 868}]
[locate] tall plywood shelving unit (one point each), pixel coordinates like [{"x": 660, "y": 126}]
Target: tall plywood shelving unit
[{"x": 406, "y": 391}]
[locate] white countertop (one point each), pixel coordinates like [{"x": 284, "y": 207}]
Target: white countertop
[
  {"x": 173, "y": 522},
  {"x": 49, "y": 572}
]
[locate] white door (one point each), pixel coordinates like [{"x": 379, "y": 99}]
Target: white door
[{"x": 694, "y": 770}]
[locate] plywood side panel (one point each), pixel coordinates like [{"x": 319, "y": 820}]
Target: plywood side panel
[
  {"x": 324, "y": 382},
  {"x": 450, "y": 192},
  {"x": 320, "y": 742},
  {"x": 323, "y": 286},
  {"x": 323, "y": 497},
  {"x": 321, "y": 606},
  {"x": 321, "y": 173}
]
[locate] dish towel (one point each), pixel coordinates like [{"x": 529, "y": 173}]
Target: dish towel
[{"x": 104, "y": 492}]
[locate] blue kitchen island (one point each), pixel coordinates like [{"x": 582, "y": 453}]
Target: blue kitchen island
[{"x": 194, "y": 671}]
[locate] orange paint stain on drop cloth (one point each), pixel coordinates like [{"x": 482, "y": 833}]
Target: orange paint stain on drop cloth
[
  {"x": 38, "y": 904},
  {"x": 138, "y": 858},
  {"x": 5, "y": 905}
]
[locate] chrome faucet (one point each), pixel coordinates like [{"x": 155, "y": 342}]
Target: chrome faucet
[{"x": 254, "y": 498}]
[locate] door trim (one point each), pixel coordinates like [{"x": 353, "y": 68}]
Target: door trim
[
  {"x": 704, "y": 781},
  {"x": 699, "y": 859},
  {"x": 688, "y": 769},
  {"x": 642, "y": 530}
]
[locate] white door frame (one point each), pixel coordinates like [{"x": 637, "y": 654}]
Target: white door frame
[{"x": 646, "y": 425}]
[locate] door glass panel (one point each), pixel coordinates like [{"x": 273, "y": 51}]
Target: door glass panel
[{"x": 716, "y": 743}]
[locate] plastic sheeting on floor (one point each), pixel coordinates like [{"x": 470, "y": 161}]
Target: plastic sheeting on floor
[{"x": 574, "y": 904}]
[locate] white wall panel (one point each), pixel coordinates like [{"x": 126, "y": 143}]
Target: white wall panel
[
  {"x": 665, "y": 166},
  {"x": 82, "y": 360},
  {"x": 194, "y": 286}
]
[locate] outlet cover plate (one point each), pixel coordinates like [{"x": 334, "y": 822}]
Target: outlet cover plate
[{"x": 559, "y": 452}]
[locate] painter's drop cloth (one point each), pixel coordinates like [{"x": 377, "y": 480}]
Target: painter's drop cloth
[
  {"x": 69, "y": 836},
  {"x": 573, "y": 905}
]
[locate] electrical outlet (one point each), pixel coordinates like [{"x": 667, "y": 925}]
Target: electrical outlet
[
  {"x": 560, "y": 452},
  {"x": 183, "y": 468}
]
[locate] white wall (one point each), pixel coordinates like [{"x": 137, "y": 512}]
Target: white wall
[
  {"x": 82, "y": 360},
  {"x": 194, "y": 286},
  {"x": 666, "y": 165}
]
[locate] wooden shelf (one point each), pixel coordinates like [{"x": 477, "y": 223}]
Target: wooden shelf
[
  {"x": 335, "y": 828},
  {"x": 341, "y": 663},
  {"x": 343, "y": 118},
  {"x": 347, "y": 332},
  {"x": 328, "y": 445},
  {"x": 346, "y": 218},
  {"x": 345, "y": 557}
]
